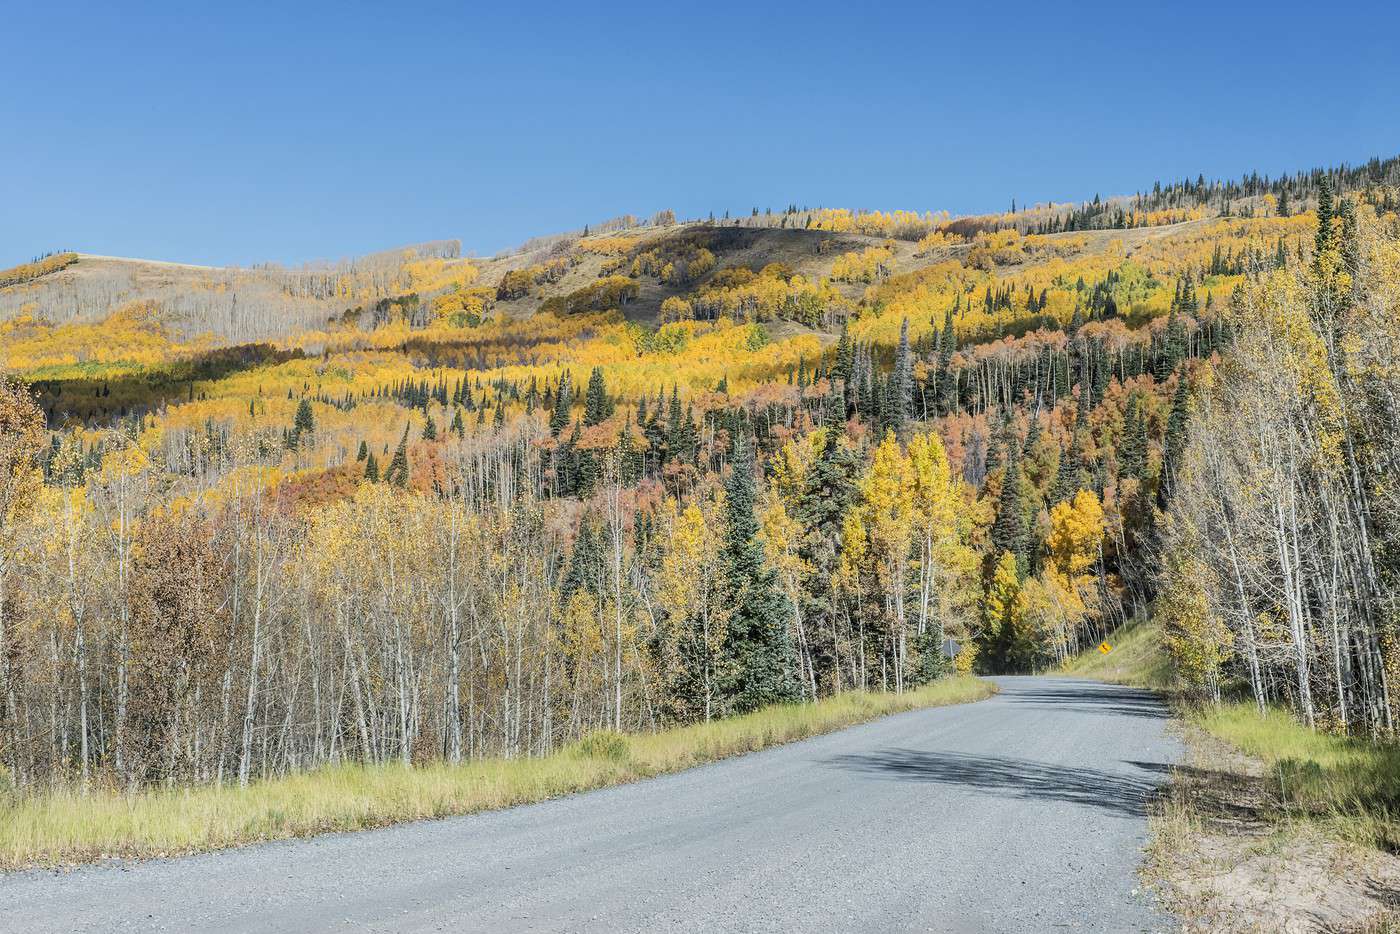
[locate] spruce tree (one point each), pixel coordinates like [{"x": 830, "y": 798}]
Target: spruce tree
[
  {"x": 844, "y": 366},
  {"x": 1009, "y": 530},
  {"x": 1323, "y": 241},
  {"x": 363, "y": 453},
  {"x": 1067, "y": 474},
  {"x": 759, "y": 661},
  {"x": 304, "y": 423},
  {"x": 430, "y": 429},
  {"x": 1175, "y": 441},
  {"x": 900, "y": 389},
  {"x": 371, "y": 468},
  {"x": 598, "y": 408},
  {"x": 829, "y": 490},
  {"x": 563, "y": 402},
  {"x": 397, "y": 474},
  {"x": 585, "y": 563}
]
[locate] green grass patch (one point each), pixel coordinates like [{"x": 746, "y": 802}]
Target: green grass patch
[
  {"x": 68, "y": 826},
  {"x": 1350, "y": 785},
  {"x": 1138, "y": 658}
]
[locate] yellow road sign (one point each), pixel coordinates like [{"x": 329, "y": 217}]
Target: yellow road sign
[{"x": 1105, "y": 648}]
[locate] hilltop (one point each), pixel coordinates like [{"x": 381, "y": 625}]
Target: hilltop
[{"x": 846, "y": 250}]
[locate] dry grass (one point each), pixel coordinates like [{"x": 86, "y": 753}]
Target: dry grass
[
  {"x": 63, "y": 827},
  {"x": 1269, "y": 826},
  {"x": 1350, "y": 785}
]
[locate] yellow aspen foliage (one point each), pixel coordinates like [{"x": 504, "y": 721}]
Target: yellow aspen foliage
[
  {"x": 865, "y": 266},
  {"x": 888, "y": 506},
  {"x": 1076, "y": 535},
  {"x": 1003, "y": 607},
  {"x": 674, "y": 308}
]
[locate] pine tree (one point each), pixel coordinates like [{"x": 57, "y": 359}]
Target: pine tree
[
  {"x": 371, "y": 468},
  {"x": 844, "y": 366},
  {"x": 304, "y": 422},
  {"x": 1009, "y": 530},
  {"x": 363, "y": 452},
  {"x": 829, "y": 490},
  {"x": 1175, "y": 441},
  {"x": 589, "y": 470},
  {"x": 1067, "y": 480},
  {"x": 585, "y": 562},
  {"x": 758, "y": 653},
  {"x": 598, "y": 408},
  {"x": 900, "y": 390},
  {"x": 430, "y": 429},
  {"x": 1102, "y": 374},
  {"x": 1323, "y": 242},
  {"x": 397, "y": 474},
  {"x": 563, "y": 402}
]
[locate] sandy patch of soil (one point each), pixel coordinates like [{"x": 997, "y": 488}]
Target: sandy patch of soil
[{"x": 1222, "y": 864}]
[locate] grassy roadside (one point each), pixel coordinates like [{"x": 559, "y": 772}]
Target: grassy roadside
[
  {"x": 1137, "y": 659},
  {"x": 1349, "y": 786},
  {"x": 66, "y": 827},
  {"x": 1266, "y": 825}
]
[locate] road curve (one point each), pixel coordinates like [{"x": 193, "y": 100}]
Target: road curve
[{"x": 1025, "y": 812}]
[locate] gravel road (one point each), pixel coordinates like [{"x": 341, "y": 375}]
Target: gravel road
[{"x": 1022, "y": 813}]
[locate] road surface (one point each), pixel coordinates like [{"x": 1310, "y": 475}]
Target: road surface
[{"x": 1021, "y": 813}]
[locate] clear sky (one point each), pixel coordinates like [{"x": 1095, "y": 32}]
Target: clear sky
[{"x": 241, "y": 132}]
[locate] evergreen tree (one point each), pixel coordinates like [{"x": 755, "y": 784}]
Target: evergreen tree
[
  {"x": 829, "y": 490},
  {"x": 397, "y": 474},
  {"x": 430, "y": 429},
  {"x": 1102, "y": 374},
  {"x": 598, "y": 408},
  {"x": 585, "y": 563},
  {"x": 900, "y": 389},
  {"x": 1323, "y": 241},
  {"x": 1009, "y": 529},
  {"x": 363, "y": 452},
  {"x": 760, "y": 665},
  {"x": 563, "y": 403},
  {"x": 1175, "y": 441},
  {"x": 1067, "y": 480},
  {"x": 371, "y": 468},
  {"x": 304, "y": 422},
  {"x": 589, "y": 470},
  {"x": 844, "y": 366}
]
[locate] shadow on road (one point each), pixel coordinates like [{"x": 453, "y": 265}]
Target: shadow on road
[
  {"x": 1108, "y": 700},
  {"x": 1013, "y": 778}
]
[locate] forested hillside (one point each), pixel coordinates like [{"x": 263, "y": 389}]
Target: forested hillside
[{"x": 420, "y": 506}]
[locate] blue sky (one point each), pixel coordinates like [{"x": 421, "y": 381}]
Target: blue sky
[{"x": 254, "y": 132}]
